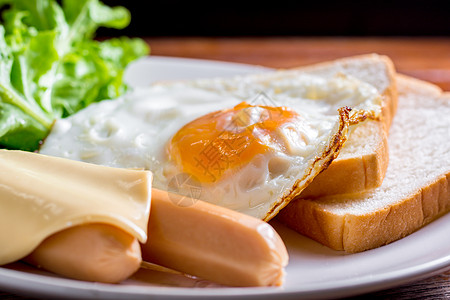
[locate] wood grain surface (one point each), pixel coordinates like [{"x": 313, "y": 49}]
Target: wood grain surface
[{"x": 424, "y": 58}]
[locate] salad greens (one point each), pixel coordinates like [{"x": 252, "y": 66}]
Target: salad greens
[{"x": 51, "y": 66}]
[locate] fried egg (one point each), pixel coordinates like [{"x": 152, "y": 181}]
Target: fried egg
[{"x": 248, "y": 143}]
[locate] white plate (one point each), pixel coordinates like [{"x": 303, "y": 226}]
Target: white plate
[{"x": 314, "y": 271}]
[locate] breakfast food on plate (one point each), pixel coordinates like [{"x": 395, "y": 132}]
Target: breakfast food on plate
[
  {"x": 209, "y": 241},
  {"x": 84, "y": 221},
  {"x": 362, "y": 162},
  {"x": 53, "y": 201},
  {"x": 201, "y": 239},
  {"x": 309, "y": 144},
  {"x": 250, "y": 143},
  {"x": 415, "y": 191}
]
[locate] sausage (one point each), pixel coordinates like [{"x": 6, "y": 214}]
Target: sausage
[
  {"x": 91, "y": 252},
  {"x": 201, "y": 239},
  {"x": 213, "y": 243}
]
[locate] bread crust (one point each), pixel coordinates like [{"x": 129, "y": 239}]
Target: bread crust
[
  {"x": 359, "y": 232},
  {"x": 356, "y": 172},
  {"x": 360, "y": 171}
]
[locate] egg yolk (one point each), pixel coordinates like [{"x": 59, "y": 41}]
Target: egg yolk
[{"x": 227, "y": 139}]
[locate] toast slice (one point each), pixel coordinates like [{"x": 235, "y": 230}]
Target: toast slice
[
  {"x": 415, "y": 191},
  {"x": 362, "y": 162}
]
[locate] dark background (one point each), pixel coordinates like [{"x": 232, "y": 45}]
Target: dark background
[{"x": 294, "y": 18}]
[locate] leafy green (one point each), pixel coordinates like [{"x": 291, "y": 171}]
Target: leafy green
[{"x": 51, "y": 66}]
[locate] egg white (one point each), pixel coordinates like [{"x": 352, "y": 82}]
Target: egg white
[{"x": 133, "y": 132}]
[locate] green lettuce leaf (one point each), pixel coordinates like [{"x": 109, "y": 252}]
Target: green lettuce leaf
[{"x": 51, "y": 66}]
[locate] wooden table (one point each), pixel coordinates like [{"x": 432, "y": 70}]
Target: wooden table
[{"x": 424, "y": 58}]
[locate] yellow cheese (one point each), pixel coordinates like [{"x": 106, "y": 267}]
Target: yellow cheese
[{"x": 41, "y": 195}]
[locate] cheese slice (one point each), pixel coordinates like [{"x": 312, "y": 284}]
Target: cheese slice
[{"x": 41, "y": 195}]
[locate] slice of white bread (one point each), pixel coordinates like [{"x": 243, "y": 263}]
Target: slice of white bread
[
  {"x": 362, "y": 162},
  {"x": 415, "y": 191},
  {"x": 378, "y": 70}
]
